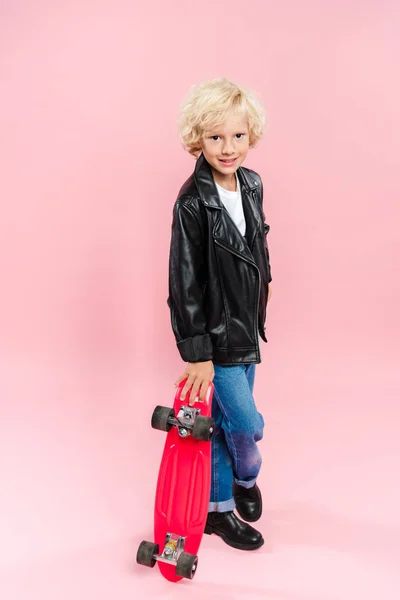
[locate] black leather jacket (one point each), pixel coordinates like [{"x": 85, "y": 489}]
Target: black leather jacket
[{"x": 218, "y": 279}]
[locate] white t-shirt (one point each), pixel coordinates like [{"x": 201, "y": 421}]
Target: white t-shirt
[{"x": 233, "y": 204}]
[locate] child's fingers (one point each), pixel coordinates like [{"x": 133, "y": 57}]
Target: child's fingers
[
  {"x": 203, "y": 391},
  {"x": 194, "y": 392},
  {"x": 187, "y": 387}
]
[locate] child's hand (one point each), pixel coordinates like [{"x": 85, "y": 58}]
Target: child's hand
[
  {"x": 269, "y": 292},
  {"x": 198, "y": 377}
]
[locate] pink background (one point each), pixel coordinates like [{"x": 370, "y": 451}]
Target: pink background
[{"x": 91, "y": 165}]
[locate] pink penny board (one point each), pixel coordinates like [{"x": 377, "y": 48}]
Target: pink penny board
[{"x": 183, "y": 486}]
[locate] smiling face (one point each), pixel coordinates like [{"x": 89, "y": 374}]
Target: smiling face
[{"x": 225, "y": 148}]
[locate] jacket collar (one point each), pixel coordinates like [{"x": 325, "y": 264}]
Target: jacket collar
[
  {"x": 206, "y": 185},
  {"x": 224, "y": 229}
]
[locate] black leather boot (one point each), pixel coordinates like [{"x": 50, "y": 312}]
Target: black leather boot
[
  {"x": 248, "y": 502},
  {"x": 234, "y": 532}
]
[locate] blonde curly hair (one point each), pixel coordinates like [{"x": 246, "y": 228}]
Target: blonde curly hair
[{"x": 207, "y": 104}]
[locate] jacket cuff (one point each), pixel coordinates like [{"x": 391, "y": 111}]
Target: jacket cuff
[{"x": 196, "y": 349}]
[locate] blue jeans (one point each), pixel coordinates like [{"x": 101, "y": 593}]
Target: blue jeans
[{"x": 238, "y": 428}]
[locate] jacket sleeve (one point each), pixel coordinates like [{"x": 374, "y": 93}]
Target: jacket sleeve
[
  {"x": 187, "y": 277},
  {"x": 266, "y": 230}
]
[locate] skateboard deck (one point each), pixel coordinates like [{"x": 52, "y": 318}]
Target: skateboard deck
[{"x": 183, "y": 486}]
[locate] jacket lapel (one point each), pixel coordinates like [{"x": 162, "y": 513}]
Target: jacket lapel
[{"x": 225, "y": 231}]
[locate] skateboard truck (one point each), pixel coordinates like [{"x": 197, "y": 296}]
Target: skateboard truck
[
  {"x": 173, "y": 548},
  {"x": 188, "y": 421},
  {"x": 185, "y": 420},
  {"x": 173, "y": 554}
]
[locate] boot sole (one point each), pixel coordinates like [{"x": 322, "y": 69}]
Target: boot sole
[{"x": 209, "y": 530}]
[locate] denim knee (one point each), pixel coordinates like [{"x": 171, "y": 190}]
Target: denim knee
[
  {"x": 259, "y": 432},
  {"x": 250, "y": 427}
]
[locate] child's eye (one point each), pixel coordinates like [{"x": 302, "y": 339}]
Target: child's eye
[{"x": 217, "y": 136}]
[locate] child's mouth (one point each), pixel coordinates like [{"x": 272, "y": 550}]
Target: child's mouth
[{"x": 229, "y": 162}]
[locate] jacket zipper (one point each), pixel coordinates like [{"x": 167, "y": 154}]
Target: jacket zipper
[{"x": 229, "y": 249}]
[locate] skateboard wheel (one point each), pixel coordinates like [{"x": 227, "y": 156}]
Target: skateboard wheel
[
  {"x": 203, "y": 428},
  {"x": 145, "y": 554},
  {"x": 160, "y": 417},
  {"x": 187, "y": 565}
]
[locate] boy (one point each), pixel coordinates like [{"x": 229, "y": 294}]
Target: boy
[{"x": 219, "y": 276}]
